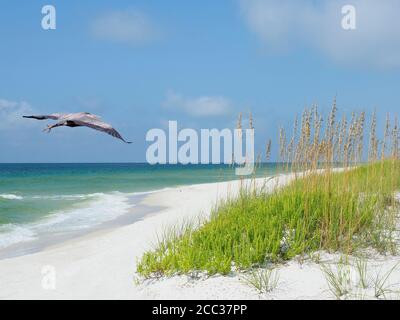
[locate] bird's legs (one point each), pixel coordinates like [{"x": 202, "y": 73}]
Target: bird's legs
[{"x": 49, "y": 127}]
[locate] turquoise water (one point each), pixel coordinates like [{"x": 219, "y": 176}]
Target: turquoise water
[{"x": 37, "y": 199}]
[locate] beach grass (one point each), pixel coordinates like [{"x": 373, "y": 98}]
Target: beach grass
[{"x": 322, "y": 208}]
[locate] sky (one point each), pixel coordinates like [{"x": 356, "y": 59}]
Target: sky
[{"x": 140, "y": 64}]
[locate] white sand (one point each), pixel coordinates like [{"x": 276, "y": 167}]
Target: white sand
[{"x": 102, "y": 264}]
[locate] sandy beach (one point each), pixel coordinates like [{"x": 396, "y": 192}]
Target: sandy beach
[{"x": 102, "y": 264}]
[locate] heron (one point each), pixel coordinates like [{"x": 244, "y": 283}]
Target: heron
[{"x": 81, "y": 119}]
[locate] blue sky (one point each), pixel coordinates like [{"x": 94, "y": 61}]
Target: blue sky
[{"x": 139, "y": 64}]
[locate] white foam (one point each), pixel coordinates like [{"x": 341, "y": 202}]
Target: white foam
[
  {"x": 103, "y": 208},
  {"x": 69, "y": 196},
  {"x": 11, "y": 234},
  {"x": 10, "y": 197}
]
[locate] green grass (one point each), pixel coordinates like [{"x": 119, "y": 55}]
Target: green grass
[
  {"x": 264, "y": 280},
  {"x": 330, "y": 211}
]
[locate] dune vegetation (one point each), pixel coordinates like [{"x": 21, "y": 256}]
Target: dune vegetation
[{"x": 341, "y": 198}]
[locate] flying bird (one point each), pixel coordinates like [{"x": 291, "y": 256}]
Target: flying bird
[{"x": 81, "y": 119}]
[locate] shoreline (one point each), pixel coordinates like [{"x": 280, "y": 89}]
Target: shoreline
[{"x": 110, "y": 254}]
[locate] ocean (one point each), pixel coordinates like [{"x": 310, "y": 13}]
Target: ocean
[{"x": 40, "y": 200}]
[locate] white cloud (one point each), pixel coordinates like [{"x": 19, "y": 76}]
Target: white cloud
[
  {"x": 284, "y": 24},
  {"x": 203, "y": 106},
  {"x": 11, "y": 113},
  {"x": 131, "y": 27},
  {"x": 6, "y": 104}
]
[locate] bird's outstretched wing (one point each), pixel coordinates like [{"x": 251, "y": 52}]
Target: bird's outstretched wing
[
  {"x": 53, "y": 116},
  {"x": 94, "y": 122}
]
